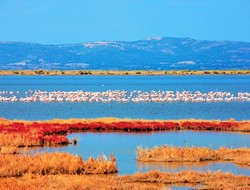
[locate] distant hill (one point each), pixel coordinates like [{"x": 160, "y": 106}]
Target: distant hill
[{"x": 163, "y": 53}]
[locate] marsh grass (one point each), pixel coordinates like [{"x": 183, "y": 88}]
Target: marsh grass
[
  {"x": 18, "y": 140},
  {"x": 54, "y": 163},
  {"x": 193, "y": 154},
  {"x": 244, "y": 127},
  {"x": 140, "y": 181},
  {"x": 65, "y": 171},
  {"x": 205, "y": 180}
]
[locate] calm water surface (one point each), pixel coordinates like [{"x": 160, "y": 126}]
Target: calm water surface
[
  {"x": 177, "y": 110},
  {"x": 230, "y": 83},
  {"x": 123, "y": 146}
]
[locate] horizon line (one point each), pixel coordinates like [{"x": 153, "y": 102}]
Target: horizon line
[{"x": 156, "y": 38}]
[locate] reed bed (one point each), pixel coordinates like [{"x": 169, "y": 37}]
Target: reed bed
[
  {"x": 141, "y": 181},
  {"x": 205, "y": 180},
  {"x": 18, "y": 140},
  {"x": 54, "y": 132},
  {"x": 69, "y": 182},
  {"x": 193, "y": 154},
  {"x": 54, "y": 163}
]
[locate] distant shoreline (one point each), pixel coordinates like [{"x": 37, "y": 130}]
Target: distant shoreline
[{"x": 122, "y": 72}]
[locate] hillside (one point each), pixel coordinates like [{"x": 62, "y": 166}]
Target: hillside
[{"x": 162, "y": 53}]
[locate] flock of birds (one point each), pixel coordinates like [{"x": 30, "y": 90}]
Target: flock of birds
[{"x": 122, "y": 96}]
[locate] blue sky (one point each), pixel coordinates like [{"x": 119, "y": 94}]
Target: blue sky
[{"x": 71, "y": 21}]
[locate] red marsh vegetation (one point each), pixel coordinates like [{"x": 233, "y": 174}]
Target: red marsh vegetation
[
  {"x": 53, "y": 132},
  {"x": 65, "y": 171}
]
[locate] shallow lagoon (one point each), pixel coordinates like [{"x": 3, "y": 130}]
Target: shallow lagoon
[
  {"x": 123, "y": 146},
  {"x": 181, "y": 110},
  {"x": 230, "y": 83},
  {"x": 176, "y": 110}
]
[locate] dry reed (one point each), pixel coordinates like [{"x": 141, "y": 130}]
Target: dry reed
[
  {"x": 54, "y": 163},
  {"x": 18, "y": 140},
  {"x": 193, "y": 154},
  {"x": 140, "y": 181},
  {"x": 206, "y": 180}
]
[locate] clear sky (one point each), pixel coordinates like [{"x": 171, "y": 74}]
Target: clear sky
[{"x": 71, "y": 21}]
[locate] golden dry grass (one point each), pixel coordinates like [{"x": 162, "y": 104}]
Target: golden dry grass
[
  {"x": 208, "y": 180},
  {"x": 18, "y": 140},
  {"x": 239, "y": 156},
  {"x": 193, "y": 154},
  {"x": 140, "y": 181},
  {"x": 11, "y": 143},
  {"x": 9, "y": 150},
  {"x": 73, "y": 182},
  {"x": 54, "y": 163},
  {"x": 244, "y": 127}
]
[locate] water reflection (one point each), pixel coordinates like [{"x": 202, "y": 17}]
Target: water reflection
[
  {"x": 124, "y": 145},
  {"x": 196, "y": 166},
  {"x": 171, "y": 166}
]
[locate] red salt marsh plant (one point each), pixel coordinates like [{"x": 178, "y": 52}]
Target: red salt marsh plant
[
  {"x": 193, "y": 154},
  {"x": 54, "y": 163},
  {"x": 53, "y": 132},
  {"x": 105, "y": 124}
]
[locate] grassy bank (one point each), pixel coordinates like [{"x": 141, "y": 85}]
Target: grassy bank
[
  {"x": 141, "y": 181},
  {"x": 53, "y": 164},
  {"x": 164, "y": 153},
  {"x": 124, "y": 72},
  {"x": 66, "y": 171}
]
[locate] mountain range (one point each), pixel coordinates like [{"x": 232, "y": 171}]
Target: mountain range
[{"x": 158, "y": 53}]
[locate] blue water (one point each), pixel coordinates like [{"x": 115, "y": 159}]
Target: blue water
[
  {"x": 177, "y": 110},
  {"x": 123, "y": 146},
  {"x": 230, "y": 83},
  {"x": 44, "y": 111}
]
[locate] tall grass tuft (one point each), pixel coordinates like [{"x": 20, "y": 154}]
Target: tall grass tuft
[
  {"x": 193, "y": 154},
  {"x": 54, "y": 163}
]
